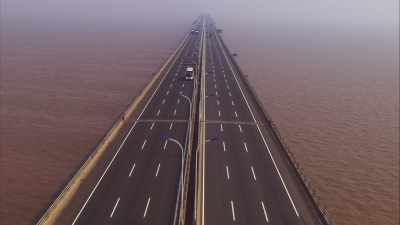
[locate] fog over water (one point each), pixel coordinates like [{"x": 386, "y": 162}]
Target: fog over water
[{"x": 327, "y": 71}]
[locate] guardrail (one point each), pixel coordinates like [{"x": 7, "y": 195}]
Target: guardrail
[
  {"x": 306, "y": 181},
  {"x": 64, "y": 196}
]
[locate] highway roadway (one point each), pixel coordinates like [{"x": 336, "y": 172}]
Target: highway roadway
[
  {"x": 243, "y": 182},
  {"x": 141, "y": 183}
]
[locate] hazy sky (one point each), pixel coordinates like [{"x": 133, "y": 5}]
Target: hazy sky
[{"x": 380, "y": 13}]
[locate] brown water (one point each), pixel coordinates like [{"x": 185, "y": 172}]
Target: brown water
[
  {"x": 335, "y": 96},
  {"x": 61, "y": 89}
]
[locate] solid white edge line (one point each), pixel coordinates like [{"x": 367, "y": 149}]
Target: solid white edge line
[
  {"x": 265, "y": 212},
  {"x": 262, "y": 136},
  {"x": 147, "y": 207},
  {"x": 204, "y": 111},
  {"x": 114, "y": 208}
]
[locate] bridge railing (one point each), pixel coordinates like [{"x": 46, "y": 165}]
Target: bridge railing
[{"x": 304, "y": 179}]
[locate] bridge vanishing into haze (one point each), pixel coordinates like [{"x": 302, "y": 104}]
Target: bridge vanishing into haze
[{"x": 198, "y": 151}]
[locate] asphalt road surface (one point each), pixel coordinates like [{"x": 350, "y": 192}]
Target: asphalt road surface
[
  {"x": 141, "y": 184},
  {"x": 243, "y": 182}
]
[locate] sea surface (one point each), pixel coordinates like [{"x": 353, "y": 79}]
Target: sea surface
[{"x": 334, "y": 94}]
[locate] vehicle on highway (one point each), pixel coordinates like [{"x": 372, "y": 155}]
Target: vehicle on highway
[
  {"x": 189, "y": 74},
  {"x": 194, "y": 31}
]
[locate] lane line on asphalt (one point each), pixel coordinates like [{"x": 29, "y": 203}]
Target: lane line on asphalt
[
  {"x": 147, "y": 207},
  {"x": 144, "y": 144},
  {"x": 152, "y": 125},
  {"x": 174, "y": 112},
  {"x": 183, "y": 85},
  {"x": 158, "y": 169},
  {"x": 240, "y": 128},
  {"x": 218, "y": 102},
  {"x": 163, "y": 101},
  {"x": 245, "y": 146},
  {"x": 230, "y": 94},
  {"x": 223, "y": 146},
  {"x": 165, "y": 144},
  {"x": 167, "y": 93},
  {"x": 265, "y": 212},
  {"x": 219, "y": 113},
  {"x": 236, "y": 115},
  {"x": 170, "y": 125},
  {"x": 227, "y": 172},
  {"x": 221, "y": 128},
  {"x": 178, "y": 101},
  {"x": 254, "y": 174},
  {"x": 216, "y": 93},
  {"x": 233, "y": 103},
  {"x": 158, "y": 112},
  {"x": 233, "y": 211},
  {"x": 114, "y": 208},
  {"x": 133, "y": 168}
]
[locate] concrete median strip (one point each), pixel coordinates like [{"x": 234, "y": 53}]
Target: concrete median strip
[{"x": 66, "y": 196}]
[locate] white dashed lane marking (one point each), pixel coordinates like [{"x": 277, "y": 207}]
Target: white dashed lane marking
[
  {"x": 132, "y": 169},
  {"x": 115, "y": 207}
]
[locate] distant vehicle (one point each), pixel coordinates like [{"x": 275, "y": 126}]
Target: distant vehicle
[
  {"x": 194, "y": 31},
  {"x": 189, "y": 74}
]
